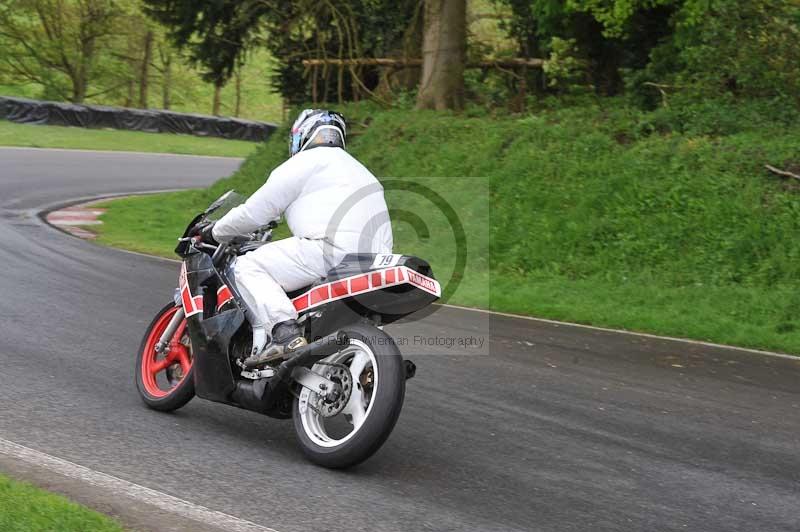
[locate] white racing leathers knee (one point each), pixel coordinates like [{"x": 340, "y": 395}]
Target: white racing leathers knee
[{"x": 333, "y": 206}]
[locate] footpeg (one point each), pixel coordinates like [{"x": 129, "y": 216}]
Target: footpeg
[
  {"x": 275, "y": 352},
  {"x": 258, "y": 373}
]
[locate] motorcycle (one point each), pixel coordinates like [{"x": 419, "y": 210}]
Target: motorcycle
[{"x": 343, "y": 391}]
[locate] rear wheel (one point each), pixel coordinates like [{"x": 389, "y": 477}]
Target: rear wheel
[
  {"x": 371, "y": 371},
  {"x": 165, "y": 380}
]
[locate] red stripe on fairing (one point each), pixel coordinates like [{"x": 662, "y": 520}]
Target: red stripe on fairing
[
  {"x": 339, "y": 289},
  {"x": 300, "y": 303},
  {"x": 359, "y": 284},
  {"x": 318, "y": 295},
  {"x": 223, "y": 296},
  {"x": 191, "y": 305},
  {"x": 186, "y": 298}
]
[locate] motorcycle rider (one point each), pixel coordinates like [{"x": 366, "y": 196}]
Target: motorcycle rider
[{"x": 333, "y": 206}]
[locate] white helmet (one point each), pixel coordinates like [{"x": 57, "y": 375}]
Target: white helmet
[{"x": 315, "y": 128}]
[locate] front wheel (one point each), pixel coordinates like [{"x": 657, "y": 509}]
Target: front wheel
[
  {"x": 165, "y": 380},
  {"x": 375, "y": 380}
]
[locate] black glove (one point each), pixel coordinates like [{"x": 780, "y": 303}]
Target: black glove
[{"x": 203, "y": 231}]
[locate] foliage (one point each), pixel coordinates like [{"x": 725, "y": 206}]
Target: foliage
[
  {"x": 109, "y": 52},
  {"x": 218, "y": 32},
  {"x": 345, "y": 29},
  {"x": 616, "y": 15},
  {"x": 607, "y": 37},
  {"x": 215, "y": 32},
  {"x": 662, "y": 221},
  {"x": 744, "y": 47},
  {"x": 563, "y": 66},
  {"x": 58, "y": 44}
]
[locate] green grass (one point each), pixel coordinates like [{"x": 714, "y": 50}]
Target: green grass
[
  {"x": 26, "y": 135},
  {"x": 663, "y": 222},
  {"x": 24, "y": 508}
]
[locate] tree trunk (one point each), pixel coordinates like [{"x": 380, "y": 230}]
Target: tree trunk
[
  {"x": 144, "y": 73},
  {"x": 238, "y": 107},
  {"x": 217, "y": 97},
  {"x": 166, "y": 83},
  {"x": 81, "y": 72},
  {"x": 443, "y": 55},
  {"x": 131, "y": 91},
  {"x": 131, "y": 73},
  {"x": 78, "y": 88}
]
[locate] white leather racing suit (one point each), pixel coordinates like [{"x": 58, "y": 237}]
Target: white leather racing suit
[{"x": 333, "y": 206}]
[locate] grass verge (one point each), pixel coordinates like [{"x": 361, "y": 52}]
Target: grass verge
[
  {"x": 35, "y": 136},
  {"x": 24, "y": 508},
  {"x": 664, "y": 222}
]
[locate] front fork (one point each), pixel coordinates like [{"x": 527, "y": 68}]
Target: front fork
[{"x": 170, "y": 331}]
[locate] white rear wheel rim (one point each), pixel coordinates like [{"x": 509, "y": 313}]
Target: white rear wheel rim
[{"x": 358, "y": 356}]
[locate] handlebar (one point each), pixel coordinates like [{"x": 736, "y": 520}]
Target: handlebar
[{"x": 219, "y": 254}]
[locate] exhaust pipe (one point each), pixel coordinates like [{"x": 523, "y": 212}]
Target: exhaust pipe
[{"x": 258, "y": 395}]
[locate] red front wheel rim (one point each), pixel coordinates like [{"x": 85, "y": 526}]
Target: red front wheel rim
[{"x": 174, "y": 364}]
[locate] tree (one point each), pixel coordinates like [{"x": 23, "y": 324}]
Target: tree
[
  {"x": 616, "y": 15},
  {"x": 444, "y": 47},
  {"x": 215, "y": 33},
  {"x": 164, "y": 66},
  {"x": 610, "y": 37},
  {"x": 742, "y": 47},
  {"x": 144, "y": 71},
  {"x": 56, "y": 43}
]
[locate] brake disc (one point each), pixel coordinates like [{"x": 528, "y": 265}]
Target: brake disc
[{"x": 340, "y": 374}]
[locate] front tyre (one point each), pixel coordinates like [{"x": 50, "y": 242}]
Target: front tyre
[
  {"x": 165, "y": 380},
  {"x": 377, "y": 388}
]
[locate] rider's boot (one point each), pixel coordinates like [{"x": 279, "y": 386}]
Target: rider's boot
[{"x": 286, "y": 338}]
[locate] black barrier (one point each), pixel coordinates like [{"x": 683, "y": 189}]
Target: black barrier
[{"x": 27, "y": 111}]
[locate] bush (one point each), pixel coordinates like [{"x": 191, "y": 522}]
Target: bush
[{"x": 741, "y": 47}]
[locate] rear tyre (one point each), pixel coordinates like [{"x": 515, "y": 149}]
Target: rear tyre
[
  {"x": 165, "y": 382},
  {"x": 377, "y": 382}
]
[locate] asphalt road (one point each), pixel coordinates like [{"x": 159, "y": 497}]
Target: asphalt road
[{"x": 548, "y": 427}]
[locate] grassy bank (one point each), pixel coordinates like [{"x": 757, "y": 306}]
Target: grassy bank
[
  {"x": 34, "y": 136},
  {"x": 658, "y": 221},
  {"x": 24, "y": 508}
]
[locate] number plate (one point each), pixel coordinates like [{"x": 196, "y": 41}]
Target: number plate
[{"x": 385, "y": 261}]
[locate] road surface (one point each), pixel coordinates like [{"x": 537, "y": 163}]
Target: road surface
[{"x": 549, "y": 427}]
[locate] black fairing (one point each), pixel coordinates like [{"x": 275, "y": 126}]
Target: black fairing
[
  {"x": 213, "y": 378},
  {"x": 211, "y": 336},
  {"x": 183, "y": 248}
]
